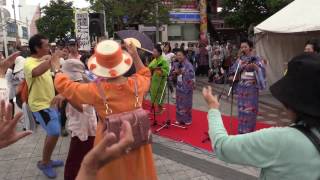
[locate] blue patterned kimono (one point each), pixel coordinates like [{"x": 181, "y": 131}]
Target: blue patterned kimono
[
  {"x": 248, "y": 92},
  {"x": 184, "y": 91}
]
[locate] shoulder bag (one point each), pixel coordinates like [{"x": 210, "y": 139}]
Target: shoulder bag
[{"x": 138, "y": 118}]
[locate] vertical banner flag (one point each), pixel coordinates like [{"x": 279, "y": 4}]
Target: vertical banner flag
[
  {"x": 82, "y": 30},
  {"x": 203, "y": 21}
]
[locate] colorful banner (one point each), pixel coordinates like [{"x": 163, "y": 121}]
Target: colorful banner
[
  {"x": 82, "y": 30},
  {"x": 185, "y": 16},
  {"x": 186, "y": 4},
  {"x": 203, "y": 21}
]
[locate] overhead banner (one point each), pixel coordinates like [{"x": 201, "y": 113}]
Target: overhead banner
[
  {"x": 203, "y": 21},
  {"x": 82, "y": 30}
]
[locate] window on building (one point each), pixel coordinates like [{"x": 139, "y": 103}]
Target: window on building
[
  {"x": 11, "y": 29},
  {"x": 174, "y": 32},
  {"x": 183, "y": 32},
  {"x": 25, "y": 33}
]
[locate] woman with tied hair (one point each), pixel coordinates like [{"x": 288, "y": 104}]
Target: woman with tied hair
[
  {"x": 184, "y": 73},
  {"x": 285, "y": 153},
  {"x": 159, "y": 67},
  {"x": 250, "y": 79}
]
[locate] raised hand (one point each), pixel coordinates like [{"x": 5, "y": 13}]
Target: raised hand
[
  {"x": 132, "y": 49},
  {"x": 103, "y": 153},
  {"x": 8, "y": 133},
  {"x": 4, "y": 65},
  {"x": 211, "y": 99}
]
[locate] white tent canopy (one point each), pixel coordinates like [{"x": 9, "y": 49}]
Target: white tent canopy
[
  {"x": 298, "y": 16},
  {"x": 283, "y": 35}
]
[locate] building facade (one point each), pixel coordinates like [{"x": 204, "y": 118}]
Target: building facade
[{"x": 190, "y": 22}]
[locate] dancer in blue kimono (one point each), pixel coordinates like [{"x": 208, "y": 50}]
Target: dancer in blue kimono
[
  {"x": 185, "y": 75},
  {"x": 251, "y": 78}
]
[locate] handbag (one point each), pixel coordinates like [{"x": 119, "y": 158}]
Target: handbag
[
  {"x": 138, "y": 118},
  {"x": 22, "y": 95},
  {"x": 28, "y": 123}
]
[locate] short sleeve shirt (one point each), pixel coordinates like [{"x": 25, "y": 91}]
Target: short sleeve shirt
[{"x": 41, "y": 88}]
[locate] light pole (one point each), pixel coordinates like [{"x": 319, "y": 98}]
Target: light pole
[
  {"x": 15, "y": 17},
  {"x": 4, "y": 33},
  {"x": 14, "y": 11},
  {"x": 19, "y": 6},
  {"x": 157, "y": 23}
]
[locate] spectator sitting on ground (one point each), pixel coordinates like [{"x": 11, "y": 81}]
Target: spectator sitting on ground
[{"x": 216, "y": 73}]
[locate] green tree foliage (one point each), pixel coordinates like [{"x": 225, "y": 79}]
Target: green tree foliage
[
  {"x": 245, "y": 13},
  {"x": 121, "y": 13},
  {"x": 57, "y": 20}
]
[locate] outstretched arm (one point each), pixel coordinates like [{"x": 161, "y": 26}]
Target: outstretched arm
[
  {"x": 78, "y": 93},
  {"x": 254, "y": 149}
]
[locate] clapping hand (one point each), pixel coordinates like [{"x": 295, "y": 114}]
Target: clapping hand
[
  {"x": 211, "y": 99},
  {"x": 8, "y": 133},
  {"x": 55, "y": 60}
]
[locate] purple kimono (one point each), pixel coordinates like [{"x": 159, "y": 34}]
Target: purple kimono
[
  {"x": 184, "y": 91},
  {"x": 248, "y": 92}
]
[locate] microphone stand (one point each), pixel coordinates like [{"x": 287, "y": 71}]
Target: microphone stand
[
  {"x": 155, "y": 123},
  {"x": 168, "y": 123},
  {"x": 230, "y": 92}
]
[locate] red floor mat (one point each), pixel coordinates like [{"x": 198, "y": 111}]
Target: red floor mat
[{"x": 196, "y": 132}]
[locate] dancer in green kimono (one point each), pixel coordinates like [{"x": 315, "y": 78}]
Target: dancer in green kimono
[{"x": 160, "y": 70}]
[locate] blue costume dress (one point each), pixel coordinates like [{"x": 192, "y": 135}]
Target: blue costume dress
[{"x": 247, "y": 89}]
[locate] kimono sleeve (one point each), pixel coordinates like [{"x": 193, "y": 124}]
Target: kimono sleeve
[
  {"x": 261, "y": 74},
  {"x": 165, "y": 68},
  {"x": 233, "y": 68},
  {"x": 189, "y": 74},
  {"x": 153, "y": 64}
]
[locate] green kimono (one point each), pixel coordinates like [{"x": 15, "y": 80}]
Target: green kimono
[{"x": 158, "y": 81}]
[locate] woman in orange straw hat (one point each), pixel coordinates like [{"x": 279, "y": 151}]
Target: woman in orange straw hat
[{"x": 110, "y": 63}]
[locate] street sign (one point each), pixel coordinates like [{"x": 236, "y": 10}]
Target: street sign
[{"x": 82, "y": 30}]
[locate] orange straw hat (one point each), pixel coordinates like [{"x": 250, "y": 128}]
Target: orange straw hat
[{"x": 109, "y": 60}]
